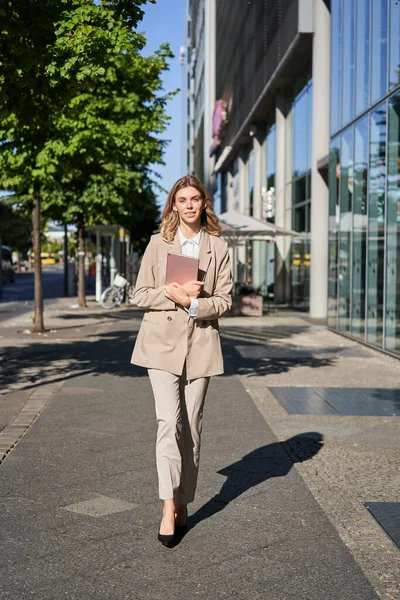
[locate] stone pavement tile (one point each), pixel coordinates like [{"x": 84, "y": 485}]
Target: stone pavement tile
[{"x": 100, "y": 506}]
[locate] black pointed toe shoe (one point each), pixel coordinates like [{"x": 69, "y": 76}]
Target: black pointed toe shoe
[{"x": 166, "y": 540}]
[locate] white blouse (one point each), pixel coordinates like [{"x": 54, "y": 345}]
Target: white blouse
[{"x": 191, "y": 248}]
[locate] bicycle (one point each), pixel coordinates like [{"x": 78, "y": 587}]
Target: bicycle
[{"x": 114, "y": 295}]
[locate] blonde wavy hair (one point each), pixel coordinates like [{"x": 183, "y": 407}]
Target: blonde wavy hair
[{"x": 170, "y": 218}]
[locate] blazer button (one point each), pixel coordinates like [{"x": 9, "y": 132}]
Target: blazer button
[{"x": 169, "y": 318}]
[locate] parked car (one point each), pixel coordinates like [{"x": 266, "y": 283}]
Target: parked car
[{"x": 7, "y": 266}]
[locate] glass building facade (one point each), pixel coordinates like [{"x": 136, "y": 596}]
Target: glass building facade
[
  {"x": 364, "y": 172},
  {"x": 263, "y": 251},
  {"x": 301, "y": 195}
]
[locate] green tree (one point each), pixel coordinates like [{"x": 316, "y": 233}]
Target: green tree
[
  {"x": 99, "y": 159},
  {"x": 49, "y": 52},
  {"x": 141, "y": 217}
]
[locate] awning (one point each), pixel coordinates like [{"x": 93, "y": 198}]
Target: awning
[{"x": 236, "y": 225}]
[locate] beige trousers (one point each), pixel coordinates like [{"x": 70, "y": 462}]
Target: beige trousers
[{"x": 179, "y": 411}]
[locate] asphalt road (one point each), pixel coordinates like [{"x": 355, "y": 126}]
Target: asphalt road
[{"x": 18, "y": 297}]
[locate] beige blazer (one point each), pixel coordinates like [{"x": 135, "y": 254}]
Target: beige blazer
[{"x": 167, "y": 335}]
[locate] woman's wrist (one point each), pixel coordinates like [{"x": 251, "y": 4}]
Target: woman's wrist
[{"x": 187, "y": 302}]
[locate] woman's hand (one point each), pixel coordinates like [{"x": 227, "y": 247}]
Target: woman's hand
[
  {"x": 193, "y": 288},
  {"x": 177, "y": 293}
]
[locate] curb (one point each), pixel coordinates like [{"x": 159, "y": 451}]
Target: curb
[{"x": 11, "y": 434}]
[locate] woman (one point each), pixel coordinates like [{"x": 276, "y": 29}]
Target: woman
[{"x": 178, "y": 341}]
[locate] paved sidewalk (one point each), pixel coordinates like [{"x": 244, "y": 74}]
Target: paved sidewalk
[
  {"x": 78, "y": 492},
  {"x": 359, "y": 460}
]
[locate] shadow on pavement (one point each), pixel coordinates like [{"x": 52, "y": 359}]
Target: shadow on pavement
[
  {"x": 108, "y": 353},
  {"x": 272, "y": 460},
  {"x": 257, "y": 352},
  {"x": 99, "y": 353}
]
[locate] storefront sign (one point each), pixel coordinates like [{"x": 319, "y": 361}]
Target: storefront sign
[{"x": 219, "y": 120}]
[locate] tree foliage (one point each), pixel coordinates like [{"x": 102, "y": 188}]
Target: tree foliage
[
  {"x": 103, "y": 146},
  {"x": 15, "y": 226},
  {"x": 51, "y": 54},
  {"x": 81, "y": 110}
]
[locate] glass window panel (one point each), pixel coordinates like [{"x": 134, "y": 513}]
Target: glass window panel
[
  {"x": 299, "y": 218},
  {"x": 302, "y": 130},
  {"x": 334, "y": 181},
  {"x": 300, "y": 270},
  {"x": 271, "y": 157},
  {"x": 345, "y": 226},
  {"x": 307, "y": 255},
  {"x": 300, "y": 110},
  {"x": 394, "y": 49},
  {"x": 308, "y": 217},
  {"x": 301, "y": 258},
  {"x": 376, "y": 224},
  {"x": 235, "y": 185},
  {"x": 393, "y": 230},
  {"x": 308, "y": 186},
  {"x": 299, "y": 190},
  {"x": 379, "y": 49},
  {"x": 271, "y": 162},
  {"x": 224, "y": 191},
  {"x": 251, "y": 182},
  {"x": 362, "y": 54},
  {"x": 348, "y": 62},
  {"x": 359, "y": 228},
  {"x": 309, "y": 125},
  {"x": 336, "y": 52}
]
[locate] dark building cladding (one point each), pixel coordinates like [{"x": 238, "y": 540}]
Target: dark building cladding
[{"x": 252, "y": 38}]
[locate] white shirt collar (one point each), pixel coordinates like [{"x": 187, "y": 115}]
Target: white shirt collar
[{"x": 183, "y": 240}]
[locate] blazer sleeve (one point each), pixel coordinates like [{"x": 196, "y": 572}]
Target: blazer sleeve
[
  {"x": 146, "y": 295},
  {"x": 221, "y": 301}
]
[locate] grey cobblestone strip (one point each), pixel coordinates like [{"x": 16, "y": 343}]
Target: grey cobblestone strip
[
  {"x": 335, "y": 478},
  {"x": 10, "y": 435}
]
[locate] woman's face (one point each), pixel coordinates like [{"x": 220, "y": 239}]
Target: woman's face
[{"x": 189, "y": 205}]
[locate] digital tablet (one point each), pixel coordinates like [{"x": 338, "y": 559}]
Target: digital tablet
[{"x": 181, "y": 269}]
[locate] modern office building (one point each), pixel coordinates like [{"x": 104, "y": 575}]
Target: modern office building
[
  {"x": 305, "y": 133},
  {"x": 199, "y": 45},
  {"x": 364, "y": 172}
]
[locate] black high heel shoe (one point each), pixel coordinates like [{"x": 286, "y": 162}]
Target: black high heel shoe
[
  {"x": 166, "y": 540},
  {"x": 180, "y": 530}
]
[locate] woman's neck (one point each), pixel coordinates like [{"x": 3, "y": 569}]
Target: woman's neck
[{"x": 189, "y": 231}]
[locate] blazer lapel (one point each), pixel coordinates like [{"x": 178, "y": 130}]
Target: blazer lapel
[
  {"x": 204, "y": 255},
  {"x": 176, "y": 245}
]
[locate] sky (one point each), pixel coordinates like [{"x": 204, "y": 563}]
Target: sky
[{"x": 165, "y": 22}]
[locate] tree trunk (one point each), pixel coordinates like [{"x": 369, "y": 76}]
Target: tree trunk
[
  {"x": 81, "y": 263},
  {"x": 1, "y": 270},
  {"x": 65, "y": 260},
  {"x": 18, "y": 262},
  {"x": 38, "y": 323}
]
